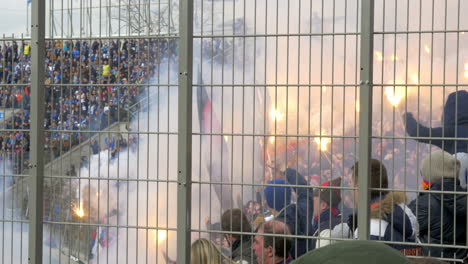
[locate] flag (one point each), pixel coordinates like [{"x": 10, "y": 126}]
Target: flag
[{"x": 210, "y": 124}]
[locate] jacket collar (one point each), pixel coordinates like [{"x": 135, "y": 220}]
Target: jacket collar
[
  {"x": 240, "y": 241},
  {"x": 382, "y": 207}
]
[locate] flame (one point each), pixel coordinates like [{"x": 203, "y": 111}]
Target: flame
[
  {"x": 79, "y": 211},
  {"x": 395, "y": 94},
  {"x": 322, "y": 142},
  {"x": 427, "y": 49},
  {"x": 394, "y": 58},
  {"x": 159, "y": 236},
  {"x": 226, "y": 138},
  {"x": 358, "y": 106},
  {"x": 271, "y": 139},
  {"x": 466, "y": 70},
  {"x": 379, "y": 56},
  {"x": 462, "y": 33},
  {"x": 276, "y": 115},
  {"x": 415, "y": 78}
]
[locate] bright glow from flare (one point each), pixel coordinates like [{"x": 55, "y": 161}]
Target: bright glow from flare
[
  {"x": 226, "y": 138},
  {"x": 358, "y": 106},
  {"x": 415, "y": 78},
  {"x": 159, "y": 236},
  {"x": 394, "y": 58},
  {"x": 276, "y": 115},
  {"x": 466, "y": 70},
  {"x": 271, "y": 139},
  {"x": 395, "y": 95},
  {"x": 427, "y": 49},
  {"x": 379, "y": 56},
  {"x": 79, "y": 211},
  {"x": 322, "y": 142}
]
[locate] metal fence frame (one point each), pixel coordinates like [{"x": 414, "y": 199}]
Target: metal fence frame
[{"x": 185, "y": 133}]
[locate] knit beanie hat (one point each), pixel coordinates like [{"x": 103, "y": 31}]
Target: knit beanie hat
[
  {"x": 440, "y": 165},
  {"x": 463, "y": 159},
  {"x": 330, "y": 196},
  {"x": 277, "y": 197}
]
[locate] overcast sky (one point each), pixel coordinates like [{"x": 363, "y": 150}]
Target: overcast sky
[{"x": 13, "y": 17}]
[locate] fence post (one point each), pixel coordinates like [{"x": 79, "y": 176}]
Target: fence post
[
  {"x": 36, "y": 171},
  {"x": 365, "y": 117},
  {"x": 184, "y": 165}
]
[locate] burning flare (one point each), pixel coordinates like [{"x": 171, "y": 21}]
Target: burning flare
[
  {"x": 275, "y": 114},
  {"x": 358, "y": 106},
  {"x": 322, "y": 142},
  {"x": 159, "y": 236},
  {"x": 271, "y": 139},
  {"x": 79, "y": 211},
  {"x": 395, "y": 95},
  {"x": 379, "y": 56},
  {"x": 466, "y": 70},
  {"x": 415, "y": 78},
  {"x": 427, "y": 49}
]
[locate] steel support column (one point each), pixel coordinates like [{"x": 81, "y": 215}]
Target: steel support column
[
  {"x": 184, "y": 166},
  {"x": 365, "y": 117},
  {"x": 36, "y": 172}
]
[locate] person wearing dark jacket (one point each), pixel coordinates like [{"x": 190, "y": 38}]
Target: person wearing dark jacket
[
  {"x": 298, "y": 216},
  {"x": 455, "y": 123},
  {"x": 390, "y": 218},
  {"x": 326, "y": 212},
  {"x": 442, "y": 218},
  {"x": 234, "y": 220}
]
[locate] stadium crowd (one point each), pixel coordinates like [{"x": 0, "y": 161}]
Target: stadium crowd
[{"x": 89, "y": 85}]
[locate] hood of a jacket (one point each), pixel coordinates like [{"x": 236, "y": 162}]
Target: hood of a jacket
[
  {"x": 456, "y": 104},
  {"x": 393, "y": 209}
]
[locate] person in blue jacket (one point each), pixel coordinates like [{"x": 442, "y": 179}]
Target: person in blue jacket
[
  {"x": 455, "y": 124},
  {"x": 298, "y": 216}
]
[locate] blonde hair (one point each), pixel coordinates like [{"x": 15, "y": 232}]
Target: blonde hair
[{"x": 204, "y": 252}]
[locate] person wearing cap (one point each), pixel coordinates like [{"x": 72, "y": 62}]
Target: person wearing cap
[
  {"x": 326, "y": 212},
  {"x": 298, "y": 216},
  {"x": 390, "y": 218},
  {"x": 442, "y": 218}
]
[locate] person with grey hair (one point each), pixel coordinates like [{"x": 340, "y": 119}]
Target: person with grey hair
[{"x": 442, "y": 218}]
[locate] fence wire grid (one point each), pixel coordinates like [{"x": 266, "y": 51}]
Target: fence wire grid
[{"x": 233, "y": 131}]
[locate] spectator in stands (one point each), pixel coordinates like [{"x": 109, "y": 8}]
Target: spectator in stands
[
  {"x": 273, "y": 249},
  {"x": 455, "y": 123},
  {"x": 203, "y": 251},
  {"x": 326, "y": 212},
  {"x": 442, "y": 218},
  {"x": 234, "y": 220},
  {"x": 391, "y": 219},
  {"x": 297, "y": 216}
]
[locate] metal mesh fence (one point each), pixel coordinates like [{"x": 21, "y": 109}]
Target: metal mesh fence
[{"x": 233, "y": 131}]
